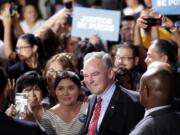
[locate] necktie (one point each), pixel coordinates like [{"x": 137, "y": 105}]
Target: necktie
[{"x": 95, "y": 118}]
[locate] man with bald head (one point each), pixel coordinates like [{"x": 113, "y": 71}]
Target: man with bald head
[{"x": 156, "y": 95}]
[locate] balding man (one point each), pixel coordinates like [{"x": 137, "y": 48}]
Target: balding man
[{"x": 156, "y": 95}]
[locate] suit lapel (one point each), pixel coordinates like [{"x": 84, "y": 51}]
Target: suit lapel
[
  {"x": 116, "y": 105},
  {"x": 92, "y": 104}
]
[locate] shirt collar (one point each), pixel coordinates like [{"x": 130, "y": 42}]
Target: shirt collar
[
  {"x": 107, "y": 94},
  {"x": 148, "y": 111}
]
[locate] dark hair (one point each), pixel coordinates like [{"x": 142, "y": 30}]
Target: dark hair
[
  {"x": 130, "y": 46},
  {"x": 123, "y": 77},
  {"x": 128, "y": 18},
  {"x": 68, "y": 75},
  {"x": 3, "y": 80},
  {"x": 166, "y": 47},
  {"x": 30, "y": 39},
  {"x": 31, "y": 78},
  {"x": 80, "y": 51},
  {"x": 33, "y": 40},
  {"x": 49, "y": 42}
]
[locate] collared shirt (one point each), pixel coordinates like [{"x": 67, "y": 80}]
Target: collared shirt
[
  {"x": 106, "y": 97},
  {"x": 147, "y": 112}
]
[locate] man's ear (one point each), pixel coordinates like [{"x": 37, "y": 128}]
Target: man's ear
[
  {"x": 164, "y": 58},
  {"x": 111, "y": 73},
  {"x": 35, "y": 47}
]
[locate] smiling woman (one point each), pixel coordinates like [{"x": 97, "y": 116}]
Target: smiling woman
[{"x": 63, "y": 118}]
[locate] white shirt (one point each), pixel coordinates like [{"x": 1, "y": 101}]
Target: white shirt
[
  {"x": 147, "y": 112},
  {"x": 26, "y": 28},
  {"x": 130, "y": 11},
  {"x": 106, "y": 97}
]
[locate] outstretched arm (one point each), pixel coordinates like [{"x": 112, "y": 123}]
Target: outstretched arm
[
  {"x": 7, "y": 22},
  {"x": 57, "y": 22}
]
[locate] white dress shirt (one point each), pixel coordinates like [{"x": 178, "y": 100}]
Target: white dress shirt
[
  {"x": 106, "y": 97},
  {"x": 27, "y": 29}
]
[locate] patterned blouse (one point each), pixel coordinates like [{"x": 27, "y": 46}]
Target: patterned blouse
[{"x": 54, "y": 125}]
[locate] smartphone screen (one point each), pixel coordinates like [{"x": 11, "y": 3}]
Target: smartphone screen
[
  {"x": 13, "y": 9},
  {"x": 21, "y": 105}
]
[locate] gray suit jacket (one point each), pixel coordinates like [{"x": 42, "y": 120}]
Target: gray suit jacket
[{"x": 161, "y": 122}]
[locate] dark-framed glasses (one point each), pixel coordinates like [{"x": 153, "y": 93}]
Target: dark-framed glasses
[
  {"x": 22, "y": 48},
  {"x": 123, "y": 58}
]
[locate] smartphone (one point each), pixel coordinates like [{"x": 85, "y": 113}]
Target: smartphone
[
  {"x": 13, "y": 9},
  {"x": 68, "y": 4},
  {"x": 177, "y": 24},
  {"x": 152, "y": 21},
  {"x": 21, "y": 105}
]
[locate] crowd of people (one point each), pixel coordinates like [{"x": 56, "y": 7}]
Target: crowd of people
[{"x": 88, "y": 86}]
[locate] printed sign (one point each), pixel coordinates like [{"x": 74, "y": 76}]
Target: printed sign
[
  {"x": 88, "y": 22},
  {"x": 166, "y": 7}
]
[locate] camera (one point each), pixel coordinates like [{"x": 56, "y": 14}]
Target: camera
[
  {"x": 68, "y": 4},
  {"x": 152, "y": 21},
  {"x": 13, "y": 9}
]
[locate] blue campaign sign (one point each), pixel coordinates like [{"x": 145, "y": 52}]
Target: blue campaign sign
[
  {"x": 88, "y": 22},
  {"x": 166, "y": 7}
]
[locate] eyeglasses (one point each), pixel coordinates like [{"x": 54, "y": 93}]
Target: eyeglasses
[
  {"x": 22, "y": 48},
  {"x": 123, "y": 58},
  {"x": 66, "y": 74},
  {"x": 52, "y": 70}
]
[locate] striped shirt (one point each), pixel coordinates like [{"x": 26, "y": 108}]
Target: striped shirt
[{"x": 54, "y": 125}]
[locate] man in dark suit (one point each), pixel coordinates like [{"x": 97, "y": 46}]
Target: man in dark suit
[
  {"x": 156, "y": 95},
  {"x": 10, "y": 126},
  {"x": 118, "y": 110}
]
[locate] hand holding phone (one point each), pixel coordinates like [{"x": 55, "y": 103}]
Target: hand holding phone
[
  {"x": 153, "y": 21},
  {"x": 21, "y": 105},
  {"x": 68, "y": 4},
  {"x": 13, "y": 9}
]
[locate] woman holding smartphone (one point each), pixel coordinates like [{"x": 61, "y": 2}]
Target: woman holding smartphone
[{"x": 32, "y": 84}]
